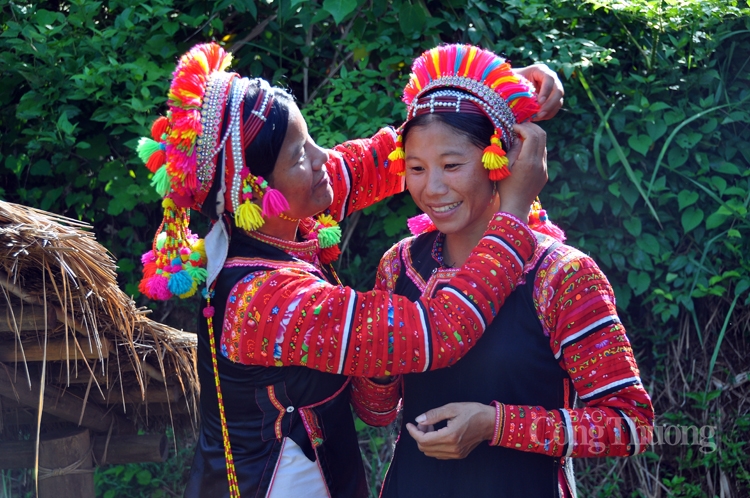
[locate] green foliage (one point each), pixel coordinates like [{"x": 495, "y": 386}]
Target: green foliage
[
  {"x": 648, "y": 161},
  {"x": 141, "y": 480}
]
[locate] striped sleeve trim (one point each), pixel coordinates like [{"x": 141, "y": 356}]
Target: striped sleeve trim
[
  {"x": 509, "y": 247},
  {"x": 348, "y": 179},
  {"x": 610, "y": 388},
  {"x": 587, "y": 331},
  {"x": 569, "y": 442},
  {"x": 347, "y": 329},
  {"x": 427, "y": 334},
  {"x": 469, "y": 304},
  {"x": 634, "y": 443}
]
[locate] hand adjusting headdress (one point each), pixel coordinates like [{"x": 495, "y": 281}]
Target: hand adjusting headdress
[{"x": 183, "y": 152}]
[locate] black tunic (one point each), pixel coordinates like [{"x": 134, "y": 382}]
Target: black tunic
[
  {"x": 251, "y": 414},
  {"x": 513, "y": 364}
]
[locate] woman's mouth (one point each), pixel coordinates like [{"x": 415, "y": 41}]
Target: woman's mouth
[
  {"x": 323, "y": 181},
  {"x": 446, "y": 209}
]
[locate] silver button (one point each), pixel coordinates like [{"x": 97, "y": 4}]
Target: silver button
[{"x": 289, "y": 409}]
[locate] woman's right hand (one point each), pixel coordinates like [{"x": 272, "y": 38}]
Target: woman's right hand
[{"x": 528, "y": 165}]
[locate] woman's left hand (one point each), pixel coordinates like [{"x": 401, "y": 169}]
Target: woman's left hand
[
  {"x": 549, "y": 89},
  {"x": 468, "y": 425}
]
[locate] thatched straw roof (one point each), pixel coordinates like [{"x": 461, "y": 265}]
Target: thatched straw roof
[{"x": 66, "y": 326}]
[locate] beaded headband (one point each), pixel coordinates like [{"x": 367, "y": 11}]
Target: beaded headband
[{"x": 464, "y": 78}]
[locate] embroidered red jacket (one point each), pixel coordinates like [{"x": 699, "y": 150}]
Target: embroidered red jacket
[
  {"x": 576, "y": 306},
  {"x": 288, "y": 314}
]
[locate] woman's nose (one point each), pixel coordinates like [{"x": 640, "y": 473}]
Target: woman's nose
[
  {"x": 435, "y": 183},
  {"x": 318, "y": 155}
]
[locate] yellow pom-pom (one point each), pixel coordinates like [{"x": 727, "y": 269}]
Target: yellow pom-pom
[
  {"x": 200, "y": 247},
  {"x": 249, "y": 216},
  {"x": 168, "y": 203},
  {"x": 494, "y": 158}
]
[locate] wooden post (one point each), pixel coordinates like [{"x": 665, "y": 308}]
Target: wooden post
[
  {"x": 120, "y": 450},
  {"x": 57, "y": 456},
  {"x": 57, "y": 402}
]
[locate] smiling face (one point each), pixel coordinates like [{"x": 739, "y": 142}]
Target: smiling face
[
  {"x": 447, "y": 180},
  {"x": 300, "y": 172}
]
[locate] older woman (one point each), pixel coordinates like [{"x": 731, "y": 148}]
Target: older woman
[
  {"x": 557, "y": 336},
  {"x": 280, "y": 334}
]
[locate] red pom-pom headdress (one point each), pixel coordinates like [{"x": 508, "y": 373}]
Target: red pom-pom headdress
[
  {"x": 182, "y": 153},
  {"x": 465, "y": 78}
]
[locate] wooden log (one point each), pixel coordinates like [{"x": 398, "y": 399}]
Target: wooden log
[
  {"x": 155, "y": 393},
  {"x": 57, "y": 402},
  {"x": 131, "y": 449},
  {"x": 121, "y": 450},
  {"x": 27, "y": 317},
  {"x": 57, "y": 350},
  {"x": 65, "y": 469}
]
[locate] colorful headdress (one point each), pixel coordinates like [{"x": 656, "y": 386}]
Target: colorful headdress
[
  {"x": 183, "y": 153},
  {"x": 468, "y": 79},
  {"x": 465, "y": 78}
]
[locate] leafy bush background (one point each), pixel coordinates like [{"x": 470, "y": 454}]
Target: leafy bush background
[{"x": 648, "y": 160}]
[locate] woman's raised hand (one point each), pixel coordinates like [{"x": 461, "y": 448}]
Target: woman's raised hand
[
  {"x": 549, "y": 89},
  {"x": 528, "y": 166}
]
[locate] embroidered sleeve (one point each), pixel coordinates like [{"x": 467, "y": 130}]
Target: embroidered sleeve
[
  {"x": 359, "y": 173},
  {"x": 290, "y": 317},
  {"x": 376, "y": 404},
  {"x": 390, "y": 267},
  {"x": 577, "y": 307}
]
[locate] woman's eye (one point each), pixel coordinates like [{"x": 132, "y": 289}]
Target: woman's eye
[
  {"x": 416, "y": 169},
  {"x": 452, "y": 166}
]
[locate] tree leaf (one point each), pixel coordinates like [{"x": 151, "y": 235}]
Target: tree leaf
[
  {"x": 411, "y": 18},
  {"x": 640, "y": 143},
  {"x": 691, "y": 218},
  {"x": 686, "y": 198},
  {"x": 633, "y": 225},
  {"x": 339, "y": 9}
]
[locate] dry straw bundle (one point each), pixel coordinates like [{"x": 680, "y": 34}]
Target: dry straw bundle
[{"x": 73, "y": 347}]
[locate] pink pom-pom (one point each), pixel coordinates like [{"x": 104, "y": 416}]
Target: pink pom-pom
[
  {"x": 185, "y": 251},
  {"x": 274, "y": 203},
  {"x": 245, "y": 171},
  {"x": 259, "y": 180},
  {"x": 548, "y": 228},
  {"x": 158, "y": 287},
  {"x": 148, "y": 257},
  {"x": 420, "y": 224},
  {"x": 208, "y": 311}
]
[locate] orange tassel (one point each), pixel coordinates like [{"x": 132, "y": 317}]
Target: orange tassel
[
  {"x": 159, "y": 128},
  {"x": 499, "y": 174},
  {"x": 329, "y": 254},
  {"x": 156, "y": 160}
]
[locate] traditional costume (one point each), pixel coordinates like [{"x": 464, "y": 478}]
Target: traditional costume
[
  {"x": 281, "y": 335},
  {"x": 557, "y": 337}
]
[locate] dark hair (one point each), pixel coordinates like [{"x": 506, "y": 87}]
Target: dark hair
[
  {"x": 262, "y": 153},
  {"x": 476, "y": 127}
]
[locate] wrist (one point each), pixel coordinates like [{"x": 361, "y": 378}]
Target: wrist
[
  {"x": 520, "y": 211},
  {"x": 498, "y": 410}
]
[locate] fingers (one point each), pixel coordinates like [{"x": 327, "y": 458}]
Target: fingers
[
  {"x": 550, "y": 90},
  {"x": 528, "y": 166},
  {"x": 432, "y": 417}
]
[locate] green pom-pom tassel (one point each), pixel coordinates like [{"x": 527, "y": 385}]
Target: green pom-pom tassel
[
  {"x": 146, "y": 147},
  {"x": 329, "y": 237},
  {"x": 161, "y": 181},
  {"x": 198, "y": 274},
  {"x": 161, "y": 239}
]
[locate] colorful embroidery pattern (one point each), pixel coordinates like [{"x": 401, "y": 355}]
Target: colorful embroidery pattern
[
  {"x": 291, "y": 317},
  {"x": 359, "y": 174},
  {"x": 376, "y": 404},
  {"x": 575, "y": 304}
]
